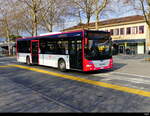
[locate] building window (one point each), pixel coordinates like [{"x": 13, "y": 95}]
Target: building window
[
  {"x": 129, "y": 30},
  {"x": 135, "y": 30},
  {"x": 116, "y": 32},
  {"x": 141, "y": 29},
  {"x": 121, "y": 31},
  {"x": 112, "y": 32}
]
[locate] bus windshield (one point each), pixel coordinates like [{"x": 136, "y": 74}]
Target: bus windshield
[{"x": 98, "y": 47}]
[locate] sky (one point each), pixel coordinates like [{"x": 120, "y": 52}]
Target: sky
[{"x": 2, "y": 39}]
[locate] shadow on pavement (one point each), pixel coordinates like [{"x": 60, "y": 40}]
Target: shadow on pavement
[{"x": 116, "y": 66}]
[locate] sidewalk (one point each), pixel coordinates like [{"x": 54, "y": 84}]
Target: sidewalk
[
  {"x": 132, "y": 65},
  {"x": 142, "y": 56}
]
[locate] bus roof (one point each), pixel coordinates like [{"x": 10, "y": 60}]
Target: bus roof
[
  {"x": 51, "y": 33},
  {"x": 78, "y": 33}
]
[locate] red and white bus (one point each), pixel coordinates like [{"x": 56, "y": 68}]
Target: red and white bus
[{"x": 84, "y": 50}]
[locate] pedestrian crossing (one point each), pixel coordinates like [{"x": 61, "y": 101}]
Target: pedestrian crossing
[{"x": 128, "y": 80}]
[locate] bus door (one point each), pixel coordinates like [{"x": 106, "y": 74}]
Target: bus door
[
  {"x": 35, "y": 51},
  {"x": 75, "y": 51}
]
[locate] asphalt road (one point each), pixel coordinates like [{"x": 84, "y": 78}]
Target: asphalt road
[{"x": 23, "y": 90}]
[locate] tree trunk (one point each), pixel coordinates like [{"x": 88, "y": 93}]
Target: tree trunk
[
  {"x": 34, "y": 31},
  {"x": 97, "y": 20},
  {"x": 8, "y": 41},
  {"x": 8, "y": 38},
  {"x": 80, "y": 19},
  {"x": 49, "y": 27},
  {"x": 88, "y": 21},
  {"x": 99, "y": 9}
]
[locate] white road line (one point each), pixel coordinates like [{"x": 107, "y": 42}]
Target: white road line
[
  {"x": 1, "y": 58},
  {"x": 129, "y": 79},
  {"x": 128, "y": 74}
]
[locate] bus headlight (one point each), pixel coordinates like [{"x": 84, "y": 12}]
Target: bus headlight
[{"x": 88, "y": 66}]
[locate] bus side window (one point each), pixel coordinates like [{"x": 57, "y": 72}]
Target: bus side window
[
  {"x": 23, "y": 46},
  {"x": 65, "y": 46},
  {"x": 50, "y": 47},
  {"x": 72, "y": 51},
  {"x": 62, "y": 47},
  {"x": 42, "y": 47}
]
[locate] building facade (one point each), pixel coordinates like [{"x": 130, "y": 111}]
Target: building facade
[{"x": 130, "y": 35}]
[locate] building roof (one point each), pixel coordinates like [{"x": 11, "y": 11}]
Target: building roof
[{"x": 109, "y": 22}]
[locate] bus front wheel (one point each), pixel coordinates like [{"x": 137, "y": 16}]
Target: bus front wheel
[{"x": 62, "y": 65}]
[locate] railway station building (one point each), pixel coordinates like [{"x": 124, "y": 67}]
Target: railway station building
[{"x": 130, "y": 34}]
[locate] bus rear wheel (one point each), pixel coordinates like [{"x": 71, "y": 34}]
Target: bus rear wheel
[
  {"x": 62, "y": 65},
  {"x": 28, "y": 61}
]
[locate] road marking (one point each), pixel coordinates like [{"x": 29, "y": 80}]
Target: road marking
[
  {"x": 92, "y": 82},
  {"x": 6, "y": 66},
  {"x": 128, "y": 78},
  {"x": 6, "y": 58},
  {"x": 130, "y": 74}
]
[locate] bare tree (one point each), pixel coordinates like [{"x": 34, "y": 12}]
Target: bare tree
[
  {"x": 144, "y": 7},
  {"x": 32, "y": 8},
  {"x": 85, "y": 8},
  {"x": 35, "y": 12},
  {"x": 100, "y": 5},
  {"x": 74, "y": 11},
  {"x": 54, "y": 14},
  {"x": 140, "y": 5},
  {"x": 5, "y": 19},
  {"x": 6, "y": 23},
  {"x": 41, "y": 14},
  {"x": 90, "y": 8},
  {"x": 32, "y": 16}
]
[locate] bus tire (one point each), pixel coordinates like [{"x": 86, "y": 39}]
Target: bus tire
[
  {"x": 62, "y": 65},
  {"x": 28, "y": 60}
]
